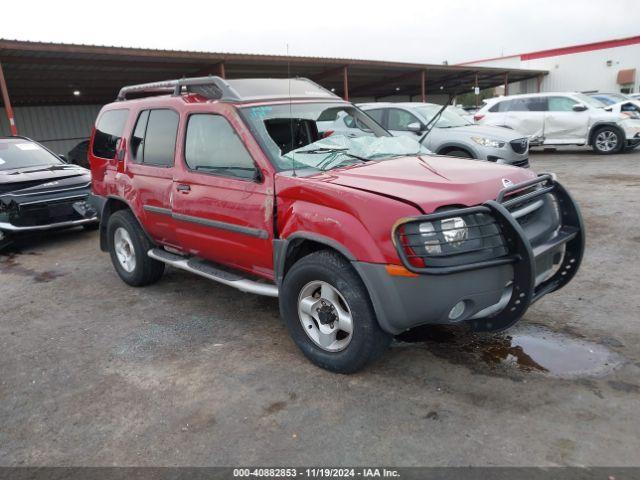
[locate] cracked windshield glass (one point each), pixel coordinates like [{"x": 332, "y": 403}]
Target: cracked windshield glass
[{"x": 322, "y": 136}]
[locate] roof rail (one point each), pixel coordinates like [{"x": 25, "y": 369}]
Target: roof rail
[{"x": 210, "y": 87}]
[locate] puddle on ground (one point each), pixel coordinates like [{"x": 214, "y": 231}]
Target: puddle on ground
[
  {"x": 10, "y": 264},
  {"x": 524, "y": 348}
]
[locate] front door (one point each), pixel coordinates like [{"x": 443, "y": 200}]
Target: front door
[
  {"x": 564, "y": 125},
  {"x": 526, "y": 115},
  {"x": 222, "y": 202}
]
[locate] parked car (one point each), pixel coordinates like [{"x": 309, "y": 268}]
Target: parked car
[
  {"x": 78, "y": 154},
  {"x": 359, "y": 238},
  {"x": 635, "y": 96},
  {"x": 452, "y": 134},
  {"x": 610, "y": 98},
  {"x": 563, "y": 119},
  {"x": 39, "y": 191}
]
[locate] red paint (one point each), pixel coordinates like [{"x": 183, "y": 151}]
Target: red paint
[
  {"x": 7, "y": 103},
  {"x": 355, "y": 206},
  {"x": 555, "y": 52}
]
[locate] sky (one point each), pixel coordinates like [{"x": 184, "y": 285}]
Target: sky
[{"x": 402, "y": 30}]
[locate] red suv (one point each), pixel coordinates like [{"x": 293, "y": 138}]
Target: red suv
[{"x": 360, "y": 237}]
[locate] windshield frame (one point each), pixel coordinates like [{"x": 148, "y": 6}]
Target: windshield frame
[{"x": 243, "y": 111}]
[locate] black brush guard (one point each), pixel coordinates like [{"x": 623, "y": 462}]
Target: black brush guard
[{"x": 521, "y": 254}]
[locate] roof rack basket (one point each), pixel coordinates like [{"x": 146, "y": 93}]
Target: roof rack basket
[{"x": 210, "y": 87}]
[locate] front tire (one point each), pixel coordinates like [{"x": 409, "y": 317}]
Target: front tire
[
  {"x": 459, "y": 154},
  {"x": 128, "y": 247},
  {"x": 607, "y": 140},
  {"x": 329, "y": 315}
]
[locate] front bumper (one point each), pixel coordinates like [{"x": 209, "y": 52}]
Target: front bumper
[
  {"x": 50, "y": 210},
  {"x": 542, "y": 256}
]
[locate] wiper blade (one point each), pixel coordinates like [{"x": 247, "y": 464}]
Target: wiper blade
[
  {"x": 323, "y": 150},
  {"x": 431, "y": 123}
]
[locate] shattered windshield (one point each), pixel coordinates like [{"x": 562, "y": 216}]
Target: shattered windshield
[{"x": 323, "y": 136}]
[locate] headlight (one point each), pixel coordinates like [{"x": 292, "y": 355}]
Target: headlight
[
  {"x": 454, "y": 231},
  {"x": 488, "y": 142}
]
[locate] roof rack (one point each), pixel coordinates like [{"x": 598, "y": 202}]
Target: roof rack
[
  {"x": 210, "y": 87},
  {"x": 217, "y": 88}
]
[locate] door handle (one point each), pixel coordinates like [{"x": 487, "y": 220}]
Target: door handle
[{"x": 183, "y": 187}]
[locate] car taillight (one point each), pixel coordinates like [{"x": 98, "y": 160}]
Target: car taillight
[
  {"x": 477, "y": 117},
  {"x": 327, "y": 133}
]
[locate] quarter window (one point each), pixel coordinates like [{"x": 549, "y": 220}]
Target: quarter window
[
  {"x": 109, "y": 133},
  {"x": 213, "y": 146},
  {"x": 159, "y": 143}
]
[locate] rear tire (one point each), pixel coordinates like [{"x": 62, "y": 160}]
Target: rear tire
[
  {"x": 607, "y": 140},
  {"x": 331, "y": 289},
  {"x": 128, "y": 247}
]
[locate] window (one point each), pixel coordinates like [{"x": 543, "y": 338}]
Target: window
[
  {"x": 212, "y": 145},
  {"x": 400, "y": 119},
  {"x": 561, "y": 104},
  {"x": 159, "y": 144},
  {"x": 108, "y": 133},
  {"x": 498, "y": 107},
  {"x": 531, "y": 104},
  {"x": 376, "y": 114},
  {"x": 137, "y": 138}
]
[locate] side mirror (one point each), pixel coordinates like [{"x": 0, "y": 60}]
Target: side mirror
[
  {"x": 578, "y": 107},
  {"x": 415, "y": 127}
]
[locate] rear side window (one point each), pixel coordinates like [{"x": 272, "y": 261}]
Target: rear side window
[
  {"x": 497, "y": 107},
  {"x": 109, "y": 133},
  {"x": 212, "y": 146},
  {"x": 533, "y": 104},
  {"x": 154, "y": 137}
]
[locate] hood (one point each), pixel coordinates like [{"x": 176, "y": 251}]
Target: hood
[
  {"x": 495, "y": 133},
  {"x": 33, "y": 179},
  {"x": 429, "y": 182}
]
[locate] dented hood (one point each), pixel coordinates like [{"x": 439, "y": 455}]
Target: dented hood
[{"x": 429, "y": 182}]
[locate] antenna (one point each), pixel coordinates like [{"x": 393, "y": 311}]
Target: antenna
[{"x": 293, "y": 161}]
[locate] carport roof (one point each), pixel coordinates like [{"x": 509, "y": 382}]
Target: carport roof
[{"x": 40, "y": 73}]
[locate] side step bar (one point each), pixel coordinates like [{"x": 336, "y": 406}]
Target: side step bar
[{"x": 208, "y": 270}]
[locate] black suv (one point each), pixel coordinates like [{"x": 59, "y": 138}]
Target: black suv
[{"x": 39, "y": 191}]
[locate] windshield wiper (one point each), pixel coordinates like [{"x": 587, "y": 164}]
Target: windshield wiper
[
  {"x": 431, "y": 123},
  {"x": 323, "y": 150}
]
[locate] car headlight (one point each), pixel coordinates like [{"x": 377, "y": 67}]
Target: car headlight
[
  {"x": 488, "y": 142},
  {"x": 454, "y": 231}
]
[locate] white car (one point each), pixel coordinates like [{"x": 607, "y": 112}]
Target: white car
[{"x": 563, "y": 119}]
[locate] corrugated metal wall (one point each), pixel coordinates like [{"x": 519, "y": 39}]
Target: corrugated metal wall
[{"x": 60, "y": 127}]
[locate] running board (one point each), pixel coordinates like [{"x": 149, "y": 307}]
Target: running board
[{"x": 208, "y": 270}]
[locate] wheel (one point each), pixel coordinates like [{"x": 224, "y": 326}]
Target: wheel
[
  {"x": 327, "y": 311},
  {"x": 607, "y": 140},
  {"x": 459, "y": 154},
  {"x": 128, "y": 246}
]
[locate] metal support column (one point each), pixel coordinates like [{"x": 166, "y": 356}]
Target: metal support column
[
  {"x": 423, "y": 86},
  {"x": 345, "y": 83},
  {"x": 476, "y": 86},
  {"x": 539, "y": 82},
  {"x": 221, "y": 70},
  {"x": 506, "y": 83},
  {"x": 7, "y": 103}
]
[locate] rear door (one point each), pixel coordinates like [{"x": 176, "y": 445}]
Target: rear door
[
  {"x": 150, "y": 165},
  {"x": 526, "y": 115},
  {"x": 223, "y": 203},
  {"x": 564, "y": 125}
]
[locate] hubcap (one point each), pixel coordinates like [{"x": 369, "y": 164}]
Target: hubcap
[
  {"x": 606, "y": 141},
  {"x": 325, "y": 316},
  {"x": 123, "y": 247}
]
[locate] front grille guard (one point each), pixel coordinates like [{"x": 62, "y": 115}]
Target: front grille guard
[{"x": 521, "y": 254}]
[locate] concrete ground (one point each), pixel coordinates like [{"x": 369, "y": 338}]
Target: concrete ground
[{"x": 188, "y": 372}]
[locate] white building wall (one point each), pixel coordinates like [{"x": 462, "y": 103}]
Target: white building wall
[{"x": 583, "y": 72}]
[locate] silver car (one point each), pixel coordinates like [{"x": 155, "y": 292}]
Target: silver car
[{"x": 451, "y": 135}]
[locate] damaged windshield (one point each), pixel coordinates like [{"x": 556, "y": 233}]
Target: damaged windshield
[{"x": 322, "y": 136}]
